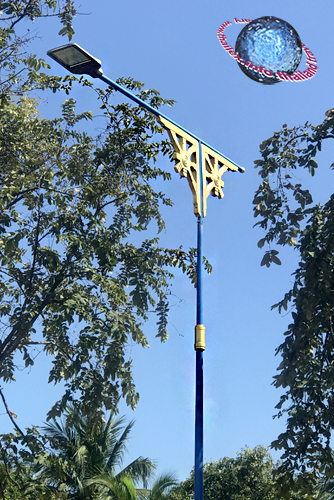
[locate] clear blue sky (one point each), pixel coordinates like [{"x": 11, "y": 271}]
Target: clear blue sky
[{"x": 172, "y": 46}]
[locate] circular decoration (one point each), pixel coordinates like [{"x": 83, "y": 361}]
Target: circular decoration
[
  {"x": 270, "y": 43},
  {"x": 268, "y": 50},
  {"x": 185, "y": 160}
]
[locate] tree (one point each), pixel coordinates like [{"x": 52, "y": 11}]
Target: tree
[
  {"x": 17, "y": 482},
  {"x": 86, "y": 453},
  {"x": 249, "y": 476},
  {"x": 72, "y": 280},
  {"x": 20, "y": 70},
  {"x": 289, "y": 216},
  {"x": 122, "y": 488},
  {"x": 82, "y": 460},
  {"x": 114, "y": 489},
  {"x": 160, "y": 488},
  {"x": 68, "y": 210}
]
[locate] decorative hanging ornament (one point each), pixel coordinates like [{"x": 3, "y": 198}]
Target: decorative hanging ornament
[{"x": 268, "y": 50}]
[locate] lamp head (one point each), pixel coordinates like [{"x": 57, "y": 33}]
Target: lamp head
[{"x": 76, "y": 60}]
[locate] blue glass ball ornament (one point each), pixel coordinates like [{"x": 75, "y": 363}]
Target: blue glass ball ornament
[{"x": 270, "y": 43}]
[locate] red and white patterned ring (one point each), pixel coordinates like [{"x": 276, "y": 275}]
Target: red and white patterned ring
[{"x": 297, "y": 76}]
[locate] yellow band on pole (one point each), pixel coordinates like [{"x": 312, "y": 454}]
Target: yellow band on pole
[{"x": 200, "y": 337}]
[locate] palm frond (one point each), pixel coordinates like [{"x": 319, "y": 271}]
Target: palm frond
[
  {"x": 140, "y": 469},
  {"x": 55, "y": 429},
  {"x": 162, "y": 485},
  {"x": 119, "y": 445},
  {"x": 88, "y": 448},
  {"x": 143, "y": 493},
  {"x": 81, "y": 457},
  {"x": 115, "y": 489},
  {"x": 62, "y": 437},
  {"x": 325, "y": 489}
]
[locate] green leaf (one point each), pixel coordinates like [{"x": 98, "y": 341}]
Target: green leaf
[
  {"x": 312, "y": 165},
  {"x": 276, "y": 260}
]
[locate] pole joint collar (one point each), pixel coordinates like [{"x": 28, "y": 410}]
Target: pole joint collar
[{"x": 200, "y": 338}]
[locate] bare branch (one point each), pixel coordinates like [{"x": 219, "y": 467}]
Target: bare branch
[{"x": 10, "y": 414}]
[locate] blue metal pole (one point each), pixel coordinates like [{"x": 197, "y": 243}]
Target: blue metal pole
[
  {"x": 199, "y": 347},
  {"x": 199, "y": 315},
  {"x": 199, "y": 330},
  {"x": 199, "y": 372}
]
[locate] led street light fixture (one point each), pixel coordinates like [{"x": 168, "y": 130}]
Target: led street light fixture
[{"x": 76, "y": 60}]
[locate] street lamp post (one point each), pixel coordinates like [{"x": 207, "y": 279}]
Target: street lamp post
[{"x": 203, "y": 166}]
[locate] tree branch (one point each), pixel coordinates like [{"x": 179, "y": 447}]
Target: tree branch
[
  {"x": 14, "y": 338},
  {"x": 3, "y": 452},
  {"x": 9, "y": 413},
  {"x": 24, "y": 13},
  {"x": 310, "y": 139},
  {"x": 35, "y": 251},
  {"x": 9, "y": 18}
]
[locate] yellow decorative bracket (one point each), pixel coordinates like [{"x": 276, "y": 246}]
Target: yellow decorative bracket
[
  {"x": 214, "y": 166},
  {"x": 186, "y": 156},
  {"x": 187, "y": 164}
]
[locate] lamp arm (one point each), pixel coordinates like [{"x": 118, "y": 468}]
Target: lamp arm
[{"x": 154, "y": 111}]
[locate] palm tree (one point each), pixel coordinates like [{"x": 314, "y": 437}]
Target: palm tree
[
  {"x": 324, "y": 489},
  {"x": 124, "y": 489},
  {"x": 87, "y": 448},
  {"x": 113, "y": 488},
  {"x": 160, "y": 487}
]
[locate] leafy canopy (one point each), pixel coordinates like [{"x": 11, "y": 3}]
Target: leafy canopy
[
  {"x": 20, "y": 69},
  {"x": 289, "y": 216},
  {"x": 78, "y": 276},
  {"x": 70, "y": 276},
  {"x": 249, "y": 476}
]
